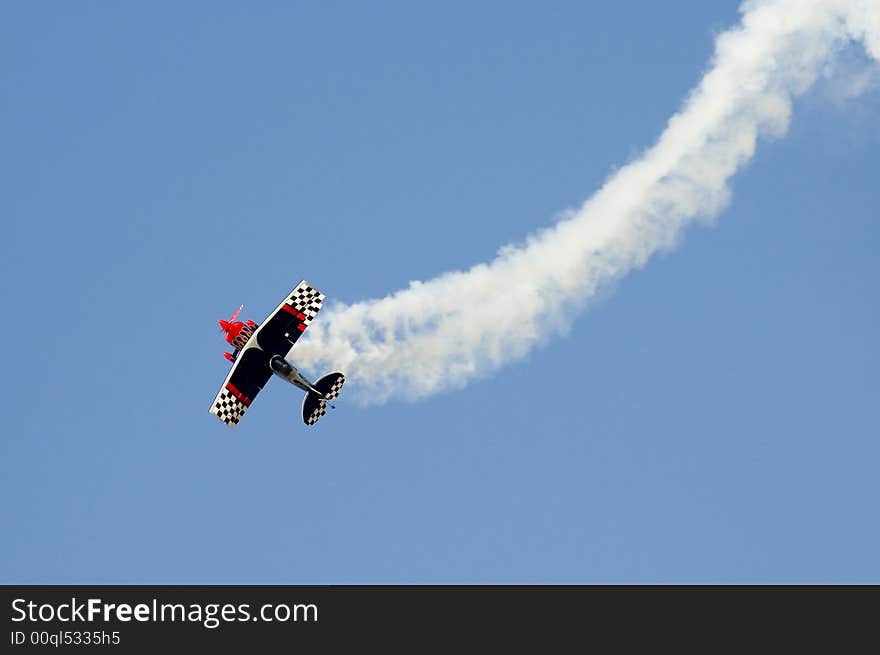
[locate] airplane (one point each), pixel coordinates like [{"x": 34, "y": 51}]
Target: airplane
[{"x": 261, "y": 350}]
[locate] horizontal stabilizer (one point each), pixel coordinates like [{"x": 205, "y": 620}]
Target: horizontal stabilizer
[
  {"x": 314, "y": 407},
  {"x": 330, "y": 385}
]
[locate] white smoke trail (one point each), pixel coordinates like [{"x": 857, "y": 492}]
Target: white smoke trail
[{"x": 441, "y": 333}]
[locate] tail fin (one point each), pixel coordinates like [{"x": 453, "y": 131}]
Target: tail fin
[{"x": 314, "y": 407}]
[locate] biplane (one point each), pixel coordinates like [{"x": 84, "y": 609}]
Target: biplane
[{"x": 261, "y": 351}]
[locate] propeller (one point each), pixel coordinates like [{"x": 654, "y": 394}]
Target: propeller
[{"x": 224, "y": 325}]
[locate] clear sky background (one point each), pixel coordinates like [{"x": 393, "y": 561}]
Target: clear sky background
[{"x": 714, "y": 419}]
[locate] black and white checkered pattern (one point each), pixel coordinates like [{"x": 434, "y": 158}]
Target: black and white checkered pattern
[
  {"x": 336, "y": 388},
  {"x": 307, "y": 300},
  {"x": 228, "y": 408},
  {"x": 317, "y": 413}
]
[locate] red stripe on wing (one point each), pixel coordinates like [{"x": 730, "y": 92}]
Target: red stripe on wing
[
  {"x": 290, "y": 310},
  {"x": 238, "y": 394}
]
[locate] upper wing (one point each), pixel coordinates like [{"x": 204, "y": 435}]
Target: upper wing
[
  {"x": 275, "y": 336},
  {"x": 289, "y": 320}
]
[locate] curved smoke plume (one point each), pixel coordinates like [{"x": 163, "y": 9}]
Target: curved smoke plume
[{"x": 464, "y": 324}]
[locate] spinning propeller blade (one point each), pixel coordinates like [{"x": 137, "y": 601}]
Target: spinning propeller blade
[{"x": 226, "y": 325}]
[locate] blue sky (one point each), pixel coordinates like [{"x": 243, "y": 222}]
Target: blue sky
[{"x": 714, "y": 419}]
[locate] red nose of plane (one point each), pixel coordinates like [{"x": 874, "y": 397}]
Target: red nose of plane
[{"x": 224, "y": 325}]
